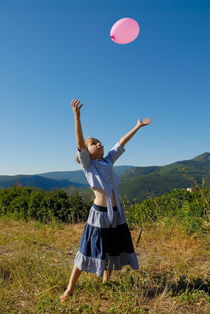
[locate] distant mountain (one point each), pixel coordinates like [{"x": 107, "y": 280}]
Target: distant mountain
[
  {"x": 146, "y": 182},
  {"x": 135, "y": 182},
  {"x": 78, "y": 175},
  {"x": 51, "y": 180},
  {"x": 205, "y": 157},
  {"x": 36, "y": 181}
]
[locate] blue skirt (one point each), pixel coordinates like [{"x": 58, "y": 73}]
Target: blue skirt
[{"x": 103, "y": 247}]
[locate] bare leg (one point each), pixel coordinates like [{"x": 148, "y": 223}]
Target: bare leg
[
  {"x": 72, "y": 281},
  {"x": 106, "y": 275}
]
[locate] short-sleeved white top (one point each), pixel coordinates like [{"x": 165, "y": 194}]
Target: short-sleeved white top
[{"x": 100, "y": 174}]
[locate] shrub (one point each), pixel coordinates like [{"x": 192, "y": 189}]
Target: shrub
[
  {"x": 190, "y": 208},
  {"x": 44, "y": 206}
]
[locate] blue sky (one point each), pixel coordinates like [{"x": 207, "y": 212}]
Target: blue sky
[{"x": 55, "y": 50}]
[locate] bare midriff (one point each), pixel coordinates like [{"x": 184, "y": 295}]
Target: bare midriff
[{"x": 100, "y": 198}]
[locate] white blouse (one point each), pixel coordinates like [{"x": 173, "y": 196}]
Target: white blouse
[{"x": 100, "y": 174}]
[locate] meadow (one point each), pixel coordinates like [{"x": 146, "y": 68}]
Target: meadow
[{"x": 36, "y": 259}]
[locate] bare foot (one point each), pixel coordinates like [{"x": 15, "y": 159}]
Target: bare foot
[{"x": 65, "y": 296}]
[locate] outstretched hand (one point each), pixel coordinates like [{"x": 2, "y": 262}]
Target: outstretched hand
[
  {"x": 143, "y": 123},
  {"x": 76, "y": 106}
]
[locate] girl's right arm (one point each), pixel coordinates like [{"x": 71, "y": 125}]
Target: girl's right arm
[{"x": 78, "y": 128}]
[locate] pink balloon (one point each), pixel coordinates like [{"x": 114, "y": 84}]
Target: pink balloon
[{"x": 124, "y": 31}]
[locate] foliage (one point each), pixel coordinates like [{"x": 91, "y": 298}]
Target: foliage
[
  {"x": 44, "y": 206},
  {"x": 36, "y": 258},
  {"x": 190, "y": 208},
  {"x": 146, "y": 182}
]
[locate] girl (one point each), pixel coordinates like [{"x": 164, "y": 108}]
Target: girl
[{"x": 106, "y": 242}]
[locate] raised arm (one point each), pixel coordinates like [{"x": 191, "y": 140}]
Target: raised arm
[
  {"x": 78, "y": 128},
  {"x": 130, "y": 134}
]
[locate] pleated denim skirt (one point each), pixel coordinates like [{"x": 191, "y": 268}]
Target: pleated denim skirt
[{"x": 103, "y": 247}]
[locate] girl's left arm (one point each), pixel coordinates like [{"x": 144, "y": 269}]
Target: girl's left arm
[{"x": 130, "y": 134}]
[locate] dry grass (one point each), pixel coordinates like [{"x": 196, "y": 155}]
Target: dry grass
[{"x": 36, "y": 260}]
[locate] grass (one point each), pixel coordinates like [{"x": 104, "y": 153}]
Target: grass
[{"x": 36, "y": 260}]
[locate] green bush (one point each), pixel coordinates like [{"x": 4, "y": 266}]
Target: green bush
[
  {"x": 190, "y": 208},
  {"x": 44, "y": 206}
]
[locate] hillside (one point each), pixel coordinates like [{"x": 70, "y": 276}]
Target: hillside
[
  {"x": 78, "y": 176},
  {"x": 50, "y": 180},
  {"x": 145, "y": 182},
  {"x": 36, "y": 181},
  {"x": 136, "y": 182},
  {"x": 170, "y": 236}
]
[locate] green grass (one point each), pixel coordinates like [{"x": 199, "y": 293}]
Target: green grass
[{"x": 36, "y": 260}]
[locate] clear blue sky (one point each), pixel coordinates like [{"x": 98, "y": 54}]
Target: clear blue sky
[{"x": 54, "y": 50}]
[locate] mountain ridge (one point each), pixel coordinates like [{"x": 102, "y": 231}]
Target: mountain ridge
[
  {"x": 162, "y": 179},
  {"x": 135, "y": 182}
]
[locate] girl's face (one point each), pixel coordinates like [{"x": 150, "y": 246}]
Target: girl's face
[{"x": 95, "y": 148}]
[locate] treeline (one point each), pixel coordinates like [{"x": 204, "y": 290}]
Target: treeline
[
  {"x": 42, "y": 205},
  {"x": 190, "y": 208}
]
